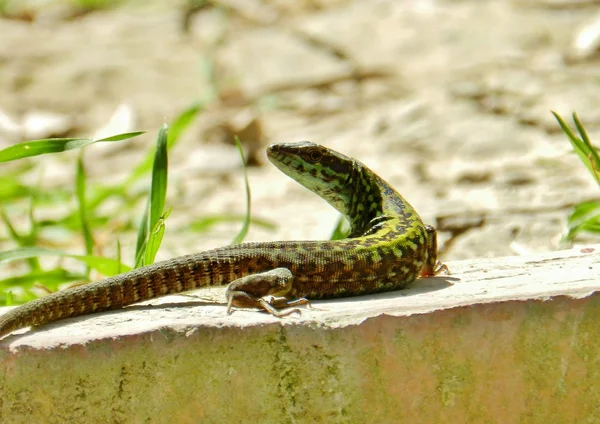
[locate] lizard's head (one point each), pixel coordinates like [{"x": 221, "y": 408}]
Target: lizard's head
[{"x": 323, "y": 171}]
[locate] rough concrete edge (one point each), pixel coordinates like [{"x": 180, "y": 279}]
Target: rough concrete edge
[{"x": 518, "y": 278}]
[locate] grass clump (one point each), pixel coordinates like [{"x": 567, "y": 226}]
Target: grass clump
[
  {"x": 585, "y": 217},
  {"x": 86, "y": 217}
]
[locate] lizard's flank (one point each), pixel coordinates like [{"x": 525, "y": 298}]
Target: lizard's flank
[{"x": 388, "y": 248}]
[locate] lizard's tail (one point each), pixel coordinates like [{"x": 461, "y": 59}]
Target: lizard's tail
[{"x": 177, "y": 275}]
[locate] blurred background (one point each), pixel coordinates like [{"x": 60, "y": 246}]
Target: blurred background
[{"x": 449, "y": 101}]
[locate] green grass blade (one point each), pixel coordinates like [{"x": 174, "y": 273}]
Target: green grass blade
[
  {"x": 182, "y": 122},
  {"x": 33, "y": 223},
  {"x": 158, "y": 186},
  {"x": 53, "y": 145},
  {"x": 582, "y": 146},
  {"x": 156, "y": 203},
  {"x": 584, "y": 217},
  {"x": 155, "y": 238},
  {"x": 566, "y": 128},
  {"x": 178, "y": 126},
  {"x": 120, "y": 137},
  {"x": 591, "y": 153},
  {"x": 32, "y": 238},
  {"x": 341, "y": 230},
  {"x": 207, "y": 222},
  {"x": 12, "y": 231},
  {"x": 246, "y": 225},
  {"x": 581, "y": 130},
  {"x": 142, "y": 238},
  {"x": 118, "y": 258},
  {"x": 592, "y": 226},
  {"x": 9, "y": 299},
  {"x": 51, "y": 279},
  {"x": 11, "y": 189},
  {"x": 21, "y": 240},
  {"x": 40, "y": 147},
  {"x": 583, "y": 211},
  {"x": 96, "y": 196},
  {"x": 99, "y": 194},
  {"x": 105, "y": 266},
  {"x": 80, "y": 178}
]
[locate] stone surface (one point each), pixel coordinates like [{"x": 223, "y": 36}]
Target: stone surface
[
  {"x": 464, "y": 88},
  {"x": 501, "y": 340}
]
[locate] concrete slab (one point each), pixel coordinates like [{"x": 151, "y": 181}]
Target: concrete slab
[{"x": 500, "y": 340}]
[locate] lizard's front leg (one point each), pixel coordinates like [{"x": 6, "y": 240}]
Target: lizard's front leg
[
  {"x": 433, "y": 266},
  {"x": 253, "y": 290}
]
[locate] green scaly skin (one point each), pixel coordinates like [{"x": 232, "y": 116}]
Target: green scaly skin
[{"x": 388, "y": 248}]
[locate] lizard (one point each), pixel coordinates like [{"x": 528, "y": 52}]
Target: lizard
[{"x": 387, "y": 248}]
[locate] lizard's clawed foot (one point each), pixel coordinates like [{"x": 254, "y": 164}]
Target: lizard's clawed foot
[
  {"x": 429, "y": 271},
  {"x": 441, "y": 268},
  {"x": 266, "y": 290},
  {"x": 279, "y": 306},
  {"x": 276, "y": 306}
]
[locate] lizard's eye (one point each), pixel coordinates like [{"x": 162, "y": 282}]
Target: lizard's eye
[{"x": 315, "y": 155}]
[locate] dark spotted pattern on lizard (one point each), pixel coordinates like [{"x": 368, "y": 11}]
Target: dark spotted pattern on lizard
[{"x": 388, "y": 248}]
